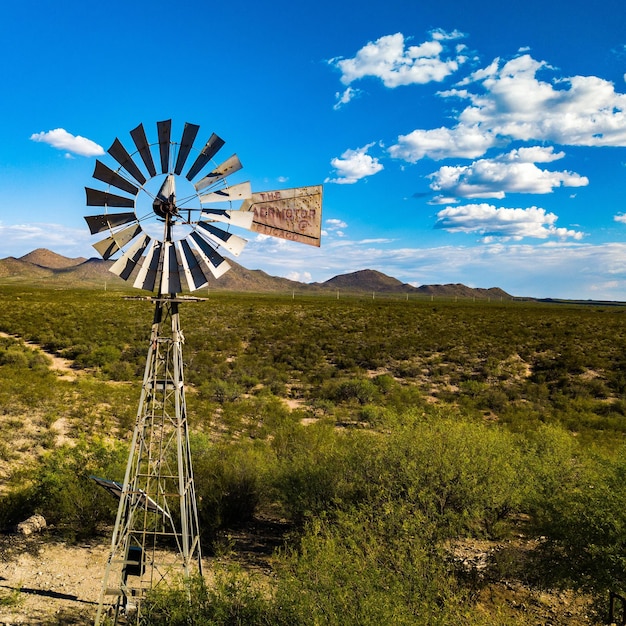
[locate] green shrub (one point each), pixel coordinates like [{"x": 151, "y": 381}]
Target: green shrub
[
  {"x": 370, "y": 567},
  {"x": 233, "y": 599},
  {"x": 17, "y": 355},
  {"x": 99, "y": 356},
  {"x": 120, "y": 370},
  {"x": 318, "y": 469},
  {"x": 222, "y": 391},
  {"x": 580, "y": 507},
  {"x": 385, "y": 383},
  {"x": 464, "y": 476},
  {"x": 60, "y": 489},
  {"x": 230, "y": 483},
  {"x": 361, "y": 390}
]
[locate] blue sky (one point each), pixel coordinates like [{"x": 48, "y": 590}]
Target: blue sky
[{"x": 478, "y": 143}]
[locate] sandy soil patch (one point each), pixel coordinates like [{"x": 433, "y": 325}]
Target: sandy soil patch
[{"x": 58, "y": 364}]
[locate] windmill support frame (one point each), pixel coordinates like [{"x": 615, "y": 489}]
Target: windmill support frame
[{"x": 156, "y": 536}]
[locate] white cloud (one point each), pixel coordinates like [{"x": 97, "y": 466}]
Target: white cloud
[
  {"x": 62, "y": 140},
  {"x": 437, "y": 200},
  {"x": 439, "y": 34},
  {"x": 580, "y": 110},
  {"x": 620, "y": 217},
  {"x": 439, "y": 143},
  {"x": 388, "y": 59},
  {"x": 353, "y": 165},
  {"x": 508, "y": 103},
  {"x": 335, "y": 227},
  {"x": 502, "y": 223},
  {"x": 302, "y": 277},
  {"x": 513, "y": 172},
  {"x": 346, "y": 96},
  {"x": 534, "y": 154},
  {"x": 334, "y": 224},
  {"x": 19, "y": 239}
]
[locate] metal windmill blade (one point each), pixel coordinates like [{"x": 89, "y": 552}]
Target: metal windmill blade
[
  {"x": 242, "y": 191},
  {"x": 110, "y": 221},
  {"x": 192, "y": 271},
  {"x": 141, "y": 141},
  {"x": 186, "y": 143},
  {"x": 228, "y": 167},
  {"x": 110, "y": 245},
  {"x": 119, "y": 153},
  {"x": 241, "y": 218},
  {"x": 211, "y": 148},
  {"x": 127, "y": 263},
  {"x": 164, "y": 130}
]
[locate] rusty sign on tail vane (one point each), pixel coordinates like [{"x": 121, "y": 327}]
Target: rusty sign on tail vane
[{"x": 294, "y": 214}]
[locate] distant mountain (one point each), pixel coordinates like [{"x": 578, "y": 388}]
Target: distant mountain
[
  {"x": 238, "y": 278},
  {"x": 51, "y": 260},
  {"x": 17, "y": 268},
  {"x": 367, "y": 280},
  {"x": 458, "y": 290},
  {"x": 371, "y": 280},
  {"x": 46, "y": 267}
]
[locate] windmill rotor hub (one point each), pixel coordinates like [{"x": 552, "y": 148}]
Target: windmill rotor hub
[{"x": 167, "y": 207}]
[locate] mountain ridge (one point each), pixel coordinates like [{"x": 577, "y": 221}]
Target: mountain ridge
[{"x": 43, "y": 265}]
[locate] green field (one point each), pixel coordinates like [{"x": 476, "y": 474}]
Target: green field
[{"x": 383, "y": 434}]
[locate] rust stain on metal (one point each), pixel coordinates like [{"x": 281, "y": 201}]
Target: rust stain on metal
[{"x": 293, "y": 214}]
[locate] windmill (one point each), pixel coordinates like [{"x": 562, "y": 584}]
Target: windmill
[{"x": 170, "y": 233}]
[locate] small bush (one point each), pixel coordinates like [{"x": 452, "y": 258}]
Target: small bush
[
  {"x": 233, "y": 599},
  {"x": 583, "y": 518},
  {"x": 229, "y": 483},
  {"x": 361, "y": 390}
]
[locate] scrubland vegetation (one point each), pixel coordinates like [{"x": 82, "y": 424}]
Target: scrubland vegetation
[{"x": 383, "y": 436}]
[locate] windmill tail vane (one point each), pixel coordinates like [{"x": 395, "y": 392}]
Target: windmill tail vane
[{"x": 169, "y": 234}]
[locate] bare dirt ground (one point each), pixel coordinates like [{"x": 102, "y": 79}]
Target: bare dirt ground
[{"x": 46, "y": 582}]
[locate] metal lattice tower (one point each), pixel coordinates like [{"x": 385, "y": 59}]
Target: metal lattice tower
[{"x": 156, "y": 537}]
